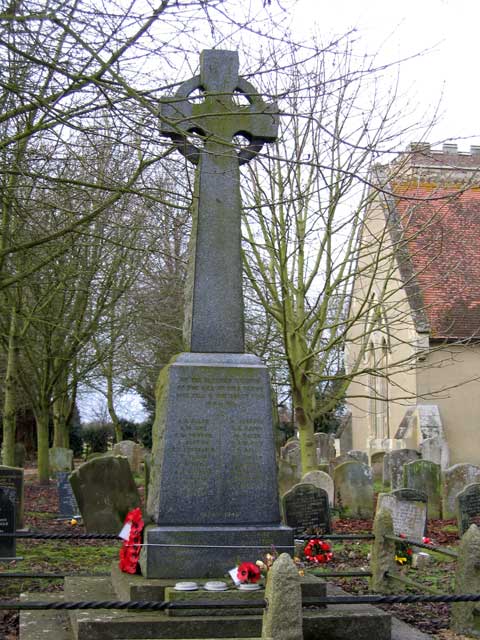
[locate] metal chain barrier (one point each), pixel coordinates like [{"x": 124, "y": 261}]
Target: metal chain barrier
[
  {"x": 423, "y": 545},
  {"x": 141, "y": 605}
]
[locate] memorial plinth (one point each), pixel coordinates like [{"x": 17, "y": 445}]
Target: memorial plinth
[{"x": 213, "y": 479}]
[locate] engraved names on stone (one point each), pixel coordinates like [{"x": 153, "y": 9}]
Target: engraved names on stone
[
  {"x": 67, "y": 505},
  {"x": 306, "y": 509},
  {"x": 468, "y": 507},
  {"x": 7, "y": 522},
  {"x": 409, "y": 512},
  {"x": 12, "y": 478}
]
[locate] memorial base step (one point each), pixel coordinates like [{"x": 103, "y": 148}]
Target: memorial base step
[{"x": 336, "y": 622}]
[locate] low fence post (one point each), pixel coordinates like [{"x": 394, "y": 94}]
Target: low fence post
[
  {"x": 382, "y": 558},
  {"x": 465, "y": 616},
  {"x": 282, "y": 618}
]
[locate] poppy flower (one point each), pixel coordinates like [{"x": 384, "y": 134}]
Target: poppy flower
[{"x": 248, "y": 572}]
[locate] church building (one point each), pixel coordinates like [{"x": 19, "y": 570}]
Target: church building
[{"x": 416, "y": 353}]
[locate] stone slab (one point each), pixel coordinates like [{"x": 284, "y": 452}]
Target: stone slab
[
  {"x": 336, "y": 622},
  {"x": 44, "y": 624},
  {"x": 231, "y": 595},
  {"x": 136, "y": 587},
  {"x": 177, "y": 557}
]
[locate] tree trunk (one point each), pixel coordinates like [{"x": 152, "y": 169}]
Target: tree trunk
[
  {"x": 43, "y": 466},
  {"x": 304, "y": 419},
  {"x": 10, "y": 397},
  {"x": 111, "y": 409}
]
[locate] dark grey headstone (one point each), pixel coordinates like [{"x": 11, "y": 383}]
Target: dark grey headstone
[
  {"x": 12, "y": 478},
  {"x": 306, "y": 509},
  {"x": 105, "y": 492},
  {"x": 67, "y": 505},
  {"x": 7, "y": 522},
  {"x": 468, "y": 507}
]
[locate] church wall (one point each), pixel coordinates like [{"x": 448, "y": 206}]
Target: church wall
[
  {"x": 396, "y": 330},
  {"x": 459, "y": 406}
]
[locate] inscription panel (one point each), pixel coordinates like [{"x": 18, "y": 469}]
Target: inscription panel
[
  {"x": 67, "y": 505},
  {"x": 219, "y": 438},
  {"x": 468, "y": 507},
  {"x": 306, "y": 509},
  {"x": 7, "y": 521},
  {"x": 409, "y": 516},
  {"x": 12, "y": 478}
]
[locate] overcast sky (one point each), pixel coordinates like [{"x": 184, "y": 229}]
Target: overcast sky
[{"x": 448, "y": 31}]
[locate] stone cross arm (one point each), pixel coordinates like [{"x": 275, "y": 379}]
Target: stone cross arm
[{"x": 218, "y": 117}]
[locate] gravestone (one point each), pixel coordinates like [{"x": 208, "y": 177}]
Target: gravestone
[
  {"x": 130, "y": 450},
  {"x": 105, "y": 492},
  {"x": 325, "y": 446},
  {"x": 292, "y": 455},
  {"x": 468, "y": 507},
  {"x": 376, "y": 462},
  {"x": 7, "y": 522},
  {"x": 344, "y": 457},
  {"x": 67, "y": 505},
  {"x": 393, "y": 466},
  {"x": 288, "y": 475},
  {"x": 409, "y": 511},
  {"x": 425, "y": 476},
  {"x": 455, "y": 479},
  {"x": 19, "y": 454},
  {"x": 291, "y": 444},
  {"x": 353, "y": 489},
  {"x": 213, "y": 478},
  {"x": 60, "y": 459},
  {"x": 306, "y": 510},
  {"x": 322, "y": 480},
  {"x": 12, "y": 477},
  {"x": 359, "y": 456},
  {"x": 436, "y": 450}
]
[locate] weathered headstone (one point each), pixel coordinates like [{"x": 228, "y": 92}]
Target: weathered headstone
[
  {"x": 213, "y": 478},
  {"x": 393, "y": 466},
  {"x": 292, "y": 455},
  {"x": 376, "y": 462},
  {"x": 67, "y": 505},
  {"x": 19, "y": 454},
  {"x": 283, "y": 618},
  {"x": 353, "y": 489},
  {"x": 7, "y": 522},
  {"x": 464, "y": 615},
  {"x": 130, "y": 450},
  {"x": 12, "y": 477},
  {"x": 359, "y": 456},
  {"x": 436, "y": 450},
  {"x": 325, "y": 446},
  {"x": 322, "y": 480},
  {"x": 423, "y": 475},
  {"x": 288, "y": 475},
  {"x": 455, "y": 479},
  {"x": 468, "y": 507},
  {"x": 409, "y": 511},
  {"x": 291, "y": 444},
  {"x": 60, "y": 459},
  {"x": 105, "y": 492},
  {"x": 306, "y": 509}
]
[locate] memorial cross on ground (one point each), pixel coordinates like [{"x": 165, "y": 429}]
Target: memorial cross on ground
[{"x": 208, "y": 106}]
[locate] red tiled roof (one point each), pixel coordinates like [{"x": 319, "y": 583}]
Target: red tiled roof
[{"x": 442, "y": 230}]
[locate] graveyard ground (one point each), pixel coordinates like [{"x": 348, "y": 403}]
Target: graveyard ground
[{"x": 43, "y": 556}]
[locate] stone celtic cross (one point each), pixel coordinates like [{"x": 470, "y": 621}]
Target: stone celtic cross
[{"x": 214, "y": 299}]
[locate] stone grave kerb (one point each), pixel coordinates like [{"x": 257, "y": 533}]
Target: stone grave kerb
[{"x": 207, "y": 106}]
